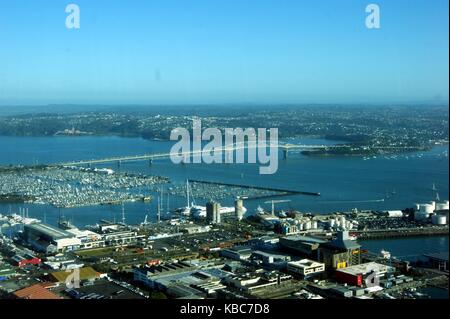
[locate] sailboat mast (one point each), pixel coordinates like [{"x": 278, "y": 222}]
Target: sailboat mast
[
  {"x": 123, "y": 213},
  {"x": 162, "y": 198},
  {"x": 159, "y": 209},
  {"x": 187, "y": 193},
  {"x": 168, "y": 201}
]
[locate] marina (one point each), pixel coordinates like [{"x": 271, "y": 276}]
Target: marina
[{"x": 75, "y": 187}]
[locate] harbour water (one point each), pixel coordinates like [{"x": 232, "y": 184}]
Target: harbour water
[
  {"x": 410, "y": 249},
  {"x": 344, "y": 182},
  {"x": 384, "y": 182}
]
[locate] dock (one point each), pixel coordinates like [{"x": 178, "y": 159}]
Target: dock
[{"x": 283, "y": 192}]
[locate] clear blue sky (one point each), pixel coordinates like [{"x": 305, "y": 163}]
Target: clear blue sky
[{"x": 220, "y": 51}]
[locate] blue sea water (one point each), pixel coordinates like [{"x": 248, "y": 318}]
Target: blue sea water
[{"x": 344, "y": 182}]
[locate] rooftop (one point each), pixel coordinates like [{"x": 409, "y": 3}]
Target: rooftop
[
  {"x": 307, "y": 239},
  {"x": 86, "y": 273},
  {"x": 305, "y": 263},
  {"x": 342, "y": 242},
  {"x": 53, "y": 232},
  {"x": 367, "y": 268},
  {"x": 35, "y": 292}
]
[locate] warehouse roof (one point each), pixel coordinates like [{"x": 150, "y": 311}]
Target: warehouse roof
[
  {"x": 86, "y": 273},
  {"x": 307, "y": 239},
  {"x": 367, "y": 268},
  {"x": 35, "y": 292},
  {"x": 305, "y": 263},
  {"x": 53, "y": 232}
]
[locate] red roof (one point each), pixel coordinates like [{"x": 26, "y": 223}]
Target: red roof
[{"x": 35, "y": 292}]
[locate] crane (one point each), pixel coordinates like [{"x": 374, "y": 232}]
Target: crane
[
  {"x": 145, "y": 221},
  {"x": 273, "y": 202}
]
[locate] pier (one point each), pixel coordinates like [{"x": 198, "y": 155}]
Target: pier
[
  {"x": 400, "y": 232},
  {"x": 284, "y": 192}
]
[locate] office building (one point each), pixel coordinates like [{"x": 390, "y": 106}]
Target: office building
[
  {"x": 305, "y": 268},
  {"x": 340, "y": 253},
  {"x": 49, "y": 239}
]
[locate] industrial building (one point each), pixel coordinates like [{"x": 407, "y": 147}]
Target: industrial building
[
  {"x": 302, "y": 245},
  {"x": 340, "y": 252},
  {"x": 49, "y": 239},
  {"x": 35, "y": 292},
  {"x": 356, "y": 275},
  {"x": 252, "y": 282},
  {"x": 149, "y": 275},
  {"x": 305, "y": 268},
  {"x": 89, "y": 239},
  {"x": 269, "y": 260},
  {"x": 265, "y": 242},
  {"x": 22, "y": 260},
  {"x": 84, "y": 274},
  {"x": 112, "y": 234},
  {"x": 182, "y": 280},
  {"x": 213, "y": 212},
  {"x": 237, "y": 253},
  {"x": 340, "y": 291}
]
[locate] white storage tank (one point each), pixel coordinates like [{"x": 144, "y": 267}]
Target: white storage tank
[
  {"x": 300, "y": 226},
  {"x": 395, "y": 213},
  {"x": 437, "y": 219},
  {"x": 314, "y": 224},
  {"x": 433, "y": 204},
  {"x": 426, "y": 208},
  {"x": 441, "y": 206}
]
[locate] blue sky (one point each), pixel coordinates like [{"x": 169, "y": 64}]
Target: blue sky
[{"x": 223, "y": 51}]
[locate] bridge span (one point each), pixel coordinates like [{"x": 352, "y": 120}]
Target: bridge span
[{"x": 150, "y": 157}]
